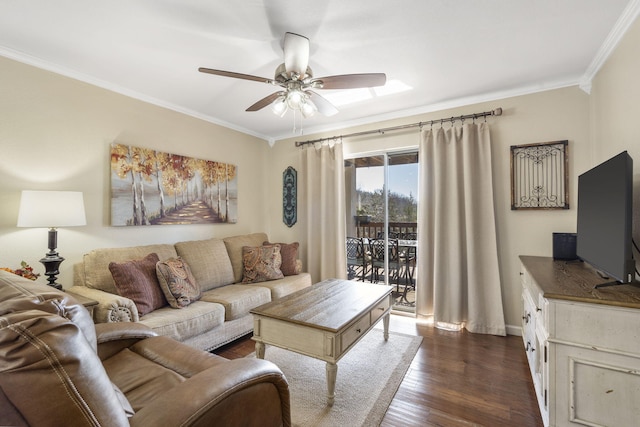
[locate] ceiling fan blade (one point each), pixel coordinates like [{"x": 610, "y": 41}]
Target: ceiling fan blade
[
  {"x": 235, "y": 75},
  {"x": 322, "y": 104},
  {"x": 296, "y": 53},
  {"x": 265, "y": 101},
  {"x": 351, "y": 81}
]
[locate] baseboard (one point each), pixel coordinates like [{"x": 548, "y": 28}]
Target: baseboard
[{"x": 514, "y": 330}]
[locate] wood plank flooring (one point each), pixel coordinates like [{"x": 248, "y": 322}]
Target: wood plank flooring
[{"x": 456, "y": 379}]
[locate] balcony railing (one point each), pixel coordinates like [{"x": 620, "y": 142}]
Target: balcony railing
[{"x": 400, "y": 230}]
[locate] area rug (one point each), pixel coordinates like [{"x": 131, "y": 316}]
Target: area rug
[{"x": 368, "y": 377}]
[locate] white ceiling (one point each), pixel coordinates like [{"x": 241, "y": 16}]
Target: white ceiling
[{"x": 452, "y": 52}]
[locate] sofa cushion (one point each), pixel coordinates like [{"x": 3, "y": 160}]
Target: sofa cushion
[
  {"x": 261, "y": 263},
  {"x": 96, "y": 273},
  {"x": 238, "y": 299},
  {"x": 199, "y": 318},
  {"x": 209, "y": 262},
  {"x": 178, "y": 285},
  {"x": 289, "y": 254},
  {"x": 138, "y": 281},
  {"x": 234, "y": 249},
  {"x": 287, "y": 285}
]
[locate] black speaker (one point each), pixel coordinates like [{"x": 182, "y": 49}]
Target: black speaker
[{"x": 564, "y": 246}]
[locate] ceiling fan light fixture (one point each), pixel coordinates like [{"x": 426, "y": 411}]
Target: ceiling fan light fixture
[
  {"x": 295, "y": 99},
  {"x": 308, "y": 108},
  {"x": 279, "y": 106}
]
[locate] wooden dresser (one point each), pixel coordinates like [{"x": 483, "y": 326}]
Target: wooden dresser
[{"x": 582, "y": 343}]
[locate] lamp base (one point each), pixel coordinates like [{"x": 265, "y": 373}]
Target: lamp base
[{"x": 51, "y": 263}]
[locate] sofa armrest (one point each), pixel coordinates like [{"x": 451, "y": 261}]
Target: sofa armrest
[
  {"x": 114, "y": 337},
  {"x": 107, "y": 332},
  {"x": 111, "y": 308},
  {"x": 246, "y": 391}
]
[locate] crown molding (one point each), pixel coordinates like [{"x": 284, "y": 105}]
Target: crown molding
[
  {"x": 628, "y": 16},
  {"x": 76, "y": 75},
  {"x": 453, "y": 103}
]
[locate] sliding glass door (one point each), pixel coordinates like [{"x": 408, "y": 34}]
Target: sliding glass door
[{"x": 382, "y": 210}]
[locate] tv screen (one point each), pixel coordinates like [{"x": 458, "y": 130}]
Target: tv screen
[{"x": 605, "y": 207}]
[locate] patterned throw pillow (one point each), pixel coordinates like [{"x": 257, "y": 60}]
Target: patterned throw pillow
[
  {"x": 261, "y": 263},
  {"x": 177, "y": 282},
  {"x": 137, "y": 280},
  {"x": 289, "y": 254}
]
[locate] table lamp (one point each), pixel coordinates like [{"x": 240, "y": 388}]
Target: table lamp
[{"x": 51, "y": 209}]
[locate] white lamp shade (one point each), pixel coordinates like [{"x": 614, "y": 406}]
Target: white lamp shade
[{"x": 51, "y": 209}]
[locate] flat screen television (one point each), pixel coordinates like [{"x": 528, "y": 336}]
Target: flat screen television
[{"x": 605, "y": 209}]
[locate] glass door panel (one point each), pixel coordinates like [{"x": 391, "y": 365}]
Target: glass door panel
[
  {"x": 381, "y": 208},
  {"x": 403, "y": 226}
]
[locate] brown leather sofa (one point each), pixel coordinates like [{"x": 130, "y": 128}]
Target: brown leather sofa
[{"x": 58, "y": 368}]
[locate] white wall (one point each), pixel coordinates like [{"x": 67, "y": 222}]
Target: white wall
[
  {"x": 55, "y": 134},
  {"x": 615, "y": 110}
]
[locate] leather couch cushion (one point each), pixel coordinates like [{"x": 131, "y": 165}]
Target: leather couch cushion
[
  {"x": 150, "y": 367},
  {"x": 209, "y": 262},
  {"x": 234, "y": 249},
  {"x": 238, "y": 299},
  {"x": 20, "y": 294},
  {"x": 138, "y": 281},
  {"x": 50, "y": 372},
  {"x": 96, "y": 263}
]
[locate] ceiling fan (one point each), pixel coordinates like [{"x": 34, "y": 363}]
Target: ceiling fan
[{"x": 298, "y": 84}]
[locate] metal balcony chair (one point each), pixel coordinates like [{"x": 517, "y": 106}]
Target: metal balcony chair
[
  {"x": 377, "y": 250},
  {"x": 357, "y": 258}
]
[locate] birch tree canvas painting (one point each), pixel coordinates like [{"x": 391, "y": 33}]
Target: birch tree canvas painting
[{"x": 149, "y": 187}]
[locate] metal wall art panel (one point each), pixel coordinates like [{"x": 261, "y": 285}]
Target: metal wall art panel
[
  {"x": 539, "y": 176},
  {"x": 150, "y": 187},
  {"x": 290, "y": 196}
]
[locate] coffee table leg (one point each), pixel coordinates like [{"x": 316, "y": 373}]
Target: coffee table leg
[
  {"x": 260, "y": 350},
  {"x": 385, "y": 323},
  {"x": 332, "y": 372}
]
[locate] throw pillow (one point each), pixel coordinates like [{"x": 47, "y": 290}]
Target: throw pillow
[
  {"x": 138, "y": 281},
  {"x": 177, "y": 282},
  {"x": 261, "y": 263},
  {"x": 289, "y": 254}
]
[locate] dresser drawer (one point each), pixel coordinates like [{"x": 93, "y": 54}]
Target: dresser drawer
[
  {"x": 379, "y": 310},
  {"x": 354, "y": 332},
  {"x": 540, "y": 305}
]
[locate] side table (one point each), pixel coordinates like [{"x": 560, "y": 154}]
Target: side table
[{"x": 88, "y": 303}]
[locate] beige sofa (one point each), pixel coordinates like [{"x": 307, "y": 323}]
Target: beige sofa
[{"x": 220, "y": 316}]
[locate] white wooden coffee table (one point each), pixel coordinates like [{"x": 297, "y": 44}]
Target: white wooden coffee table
[{"x": 323, "y": 321}]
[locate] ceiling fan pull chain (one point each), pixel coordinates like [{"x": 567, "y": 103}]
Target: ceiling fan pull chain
[{"x": 294, "y": 122}]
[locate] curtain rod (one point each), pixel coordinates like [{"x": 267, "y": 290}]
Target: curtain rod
[{"x": 495, "y": 112}]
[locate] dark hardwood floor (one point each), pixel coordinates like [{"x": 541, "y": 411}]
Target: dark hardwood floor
[{"x": 456, "y": 379}]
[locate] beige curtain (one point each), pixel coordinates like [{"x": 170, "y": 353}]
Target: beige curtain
[
  {"x": 325, "y": 208},
  {"x": 459, "y": 280}
]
